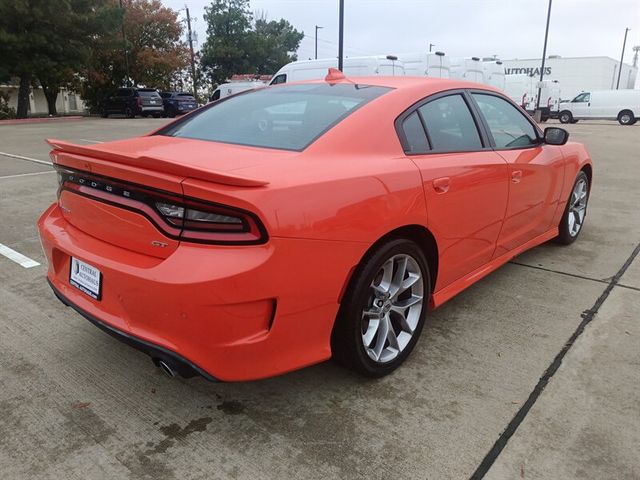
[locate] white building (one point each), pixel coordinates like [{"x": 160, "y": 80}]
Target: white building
[
  {"x": 66, "y": 103},
  {"x": 576, "y": 74}
]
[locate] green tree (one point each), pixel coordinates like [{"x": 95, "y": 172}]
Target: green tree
[
  {"x": 237, "y": 44},
  {"x": 226, "y": 49},
  {"x": 48, "y": 39},
  {"x": 274, "y": 44}
]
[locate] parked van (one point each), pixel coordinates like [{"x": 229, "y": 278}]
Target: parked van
[
  {"x": 469, "y": 69},
  {"x": 522, "y": 89},
  {"x": 550, "y": 97},
  {"x": 493, "y": 73},
  {"x": 352, "y": 66},
  {"x": 621, "y": 105},
  {"x": 421, "y": 64},
  {"x": 231, "y": 88}
]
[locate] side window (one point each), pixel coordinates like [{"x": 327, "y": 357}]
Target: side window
[
  {"x": 416, "y": 138},
  {"x": 450, "y": 125},
  {"x": 282, "y": 78},
  {"x": 582, "y": 98},
  {"x": 509, "y": 127},
  {"x": 216, "y": 95}
]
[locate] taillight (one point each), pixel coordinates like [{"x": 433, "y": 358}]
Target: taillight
[
  {"x": 176, "y": 216},
  {"x": 139, "y": 101}
]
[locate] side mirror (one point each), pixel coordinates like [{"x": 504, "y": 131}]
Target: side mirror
[{"x": 555, "y": 136}]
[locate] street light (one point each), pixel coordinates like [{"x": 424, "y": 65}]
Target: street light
[
  {"x": 431, "y": 45},
  {"x": 624, "y": 44},
  {"x": 341, "y": 35},
  {"x": 317, "y": 28},
  {"x": 537, "y": 113}
]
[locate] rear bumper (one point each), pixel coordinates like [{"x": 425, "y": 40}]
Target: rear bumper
[
  {"x": 232, "y": 313},
  {"x": 152, "y": 109},
  {"x": 183, "y": 366}
]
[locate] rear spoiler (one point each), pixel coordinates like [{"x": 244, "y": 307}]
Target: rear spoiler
[{"x": 155, "y": 164}]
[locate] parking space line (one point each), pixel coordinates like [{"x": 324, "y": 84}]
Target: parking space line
[
  {"x": 17, "y": 175},
  {"x": 512, "y": 426},
  {"x": 17, "y": 257},
  {"x": 29, "y": 159},
  {"x": 90, "y": 141}
]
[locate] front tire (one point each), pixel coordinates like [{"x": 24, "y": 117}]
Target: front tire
[
  {"x": 565, "y": 117},
  {"x": 383, "y": 310},
  {"x": 575, "y": 212}
]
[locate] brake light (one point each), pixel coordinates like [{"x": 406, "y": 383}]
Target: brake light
[
  {"x": 139, "y": 101},
  {"x": 176, "y": 216}
]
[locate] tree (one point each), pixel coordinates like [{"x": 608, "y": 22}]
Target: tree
[
  {"x": 237, "y": 44},
  {"x": 225, "y": 51},
  {"x": 154, "y": 48},
  {"x": 48, "y": 39},
  {"x": 273, "y": 45}
]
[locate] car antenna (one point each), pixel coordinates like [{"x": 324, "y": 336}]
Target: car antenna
[{"x": 335, "y": 75}]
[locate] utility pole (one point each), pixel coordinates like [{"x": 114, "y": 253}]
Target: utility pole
[
  {"x": 635, "y": 56},
  {"x": 624, "y": 44},
  {"x": 317, "y": 28},
  {"x": 431, "y": 45},
  {"x": 124, "y": 41},
  {"x": 544, "y": 57},
  {"x": 193, "y": 58},
  {"x": 341, "y": 36}
]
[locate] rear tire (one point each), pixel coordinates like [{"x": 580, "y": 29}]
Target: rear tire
[
  {"x": 575, "y": 211},
  {"x": 129, "y": 113},
  {"x": 383, "y": 309},
  {"x": 565, "y": 116},
  {"x": 104, "y": 113},
  {"x": 625, "y": 117},
  {"x": 171, "y": 113}
]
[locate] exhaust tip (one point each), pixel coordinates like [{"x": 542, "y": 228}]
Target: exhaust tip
[{"x": 166, "y": 369}]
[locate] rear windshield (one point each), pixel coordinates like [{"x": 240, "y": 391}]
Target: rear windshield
[
  {"x": 286, "y": 117},
  {"x": 148, "y": 93}
]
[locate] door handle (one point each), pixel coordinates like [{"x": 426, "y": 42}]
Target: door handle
[
  {"x": 441, "y": 185},
  {"x": 516, "y": 176}
]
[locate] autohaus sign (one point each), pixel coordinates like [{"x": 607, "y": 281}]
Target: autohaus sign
[{"x": 531, "y": 71}]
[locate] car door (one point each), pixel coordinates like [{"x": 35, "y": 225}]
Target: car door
[
  {"x": 465, "y": 182},
  {"x": 581, "y": 106},
  {"x": 119, "y": 100},
  {"x": 535, "y": 170}
]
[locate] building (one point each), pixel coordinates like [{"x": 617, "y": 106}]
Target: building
[
  {"x": 66, "y": 103},
  {"x": 576, "y": 74}
]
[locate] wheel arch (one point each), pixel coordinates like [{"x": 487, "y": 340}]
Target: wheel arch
[{"x": 421, "y": 235}]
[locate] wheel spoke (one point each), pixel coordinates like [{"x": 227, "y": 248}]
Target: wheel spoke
[
  {"x": 372, "y": 329},
  {"x": 398, "y": 276},
  {"x": 383, "y": 332},
  {"x": 391, "y": 336}
]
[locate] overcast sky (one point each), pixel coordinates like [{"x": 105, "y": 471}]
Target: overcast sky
[{"x": 507, "y": 28}]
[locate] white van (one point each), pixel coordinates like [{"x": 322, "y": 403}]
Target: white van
[
  {"x": 469, "y": 69},
  {"x": 621, "y": 105},
  {"x": 493, "y": 73},
  {"x": 550, "y": 95},
  {"x": 352, "y": 67},
  {"x": 522, "y": 89},
  {"x": 231, "y": 88},
  {"x": 421, "y": 64}
]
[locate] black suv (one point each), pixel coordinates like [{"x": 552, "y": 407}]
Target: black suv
[
  {"x": 132, "y": 102},
  {"x": 176, "y": 103}
]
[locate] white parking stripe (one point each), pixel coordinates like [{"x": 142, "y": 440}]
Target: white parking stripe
[
  {"x": 20, "y": 157},
  {"x": 17, "y": 257},
  {"x": 17, "y": 175},
  {"x": 90, "y": 141}
]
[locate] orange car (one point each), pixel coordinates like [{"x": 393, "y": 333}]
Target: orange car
[{"x": 280, "y": 227}]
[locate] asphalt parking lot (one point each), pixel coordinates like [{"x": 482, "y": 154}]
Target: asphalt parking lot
[{"x": 534, "y": 372}]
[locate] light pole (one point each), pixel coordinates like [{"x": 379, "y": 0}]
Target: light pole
[
  {"x": 431, "y": 45},
  {"x": 124, "y": 41},
  {"x": 341, "y": 35},
  {"x": 317, "y": 28},
  {"x": 193, "y": 60},
  {"x": 624, "y": 44},
  {"x": 544, "y": 56}
]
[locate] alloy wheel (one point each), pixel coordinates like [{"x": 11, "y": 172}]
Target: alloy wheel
[
  {"x": 393, "y": 308},
  {"x": 577, "y": 207}
]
